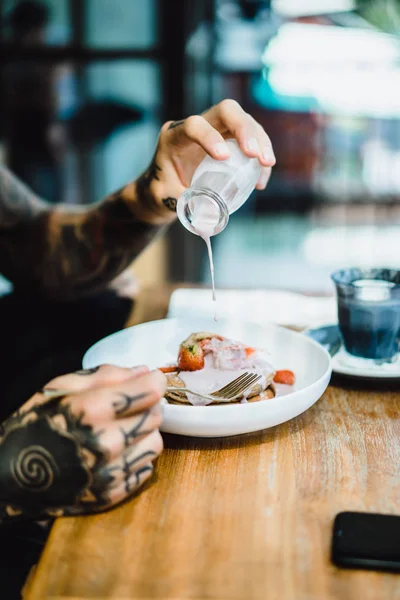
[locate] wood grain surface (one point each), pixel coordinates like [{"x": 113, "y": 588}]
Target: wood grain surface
[{"x": 242, "y": 518}]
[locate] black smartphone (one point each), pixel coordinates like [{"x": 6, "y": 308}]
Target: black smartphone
[{"x": 366, "y": 541}]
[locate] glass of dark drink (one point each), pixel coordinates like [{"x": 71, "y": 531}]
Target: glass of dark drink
[{"x": 369, "y": 312}]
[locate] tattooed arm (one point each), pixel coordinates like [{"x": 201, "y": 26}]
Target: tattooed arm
[
  {"x": 67, "y": 251},
  {"x": 81, "y": 453}
]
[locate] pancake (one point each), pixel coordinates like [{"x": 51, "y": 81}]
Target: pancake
[
  {"x": 208, "y": 362},
  {"x": 256, "y": 393}
]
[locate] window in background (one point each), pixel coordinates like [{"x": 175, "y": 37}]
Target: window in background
[
  {"x": 121, "y": 74},
  {"x": 88, "y": 107},
  {"x": 348, "y": 78},
  {"x": 324, "y": 86},
  {"x": 122, "y": 23},
  {"x": 35, "y": 95},
  {"x": 126, "y": 136},
  {"x": 59, "y": 29},
  {"x": 130, "y": 91},
  {"x": 121, "y": 99}
]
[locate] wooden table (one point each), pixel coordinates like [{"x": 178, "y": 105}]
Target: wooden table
[{"x": 240, "y": 518}]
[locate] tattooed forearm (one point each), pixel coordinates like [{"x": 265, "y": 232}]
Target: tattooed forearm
[
  {"x": 70, "y": 251},
  {"x": 143, "y": 186}
]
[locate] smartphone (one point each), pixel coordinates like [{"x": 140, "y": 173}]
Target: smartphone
[{"x": 366, "y": 541}]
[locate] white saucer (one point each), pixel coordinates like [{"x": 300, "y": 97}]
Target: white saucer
[
  {"x": 344, "y": 363},
  {"x": 157, "y": 343}
]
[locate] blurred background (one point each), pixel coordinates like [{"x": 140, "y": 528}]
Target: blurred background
[{"x": 86, "y": 85}]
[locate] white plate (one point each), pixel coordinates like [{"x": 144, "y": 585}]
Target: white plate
[{"x": 156, "y": 344}]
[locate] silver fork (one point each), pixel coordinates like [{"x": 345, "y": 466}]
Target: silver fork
[{"x": 231, "y": 391}]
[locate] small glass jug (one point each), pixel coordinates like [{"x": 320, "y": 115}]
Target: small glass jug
[{"x": 217, "y": 190}]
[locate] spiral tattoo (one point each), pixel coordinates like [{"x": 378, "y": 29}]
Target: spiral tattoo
[
  {"x": 40, "y": 478},
  {"x": 53, "y": 463},
  {"x": 34, "y": 469}
]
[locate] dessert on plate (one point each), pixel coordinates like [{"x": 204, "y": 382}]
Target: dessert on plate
[{"x": 207, "y": 362}]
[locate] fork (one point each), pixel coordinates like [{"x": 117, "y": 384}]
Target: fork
[{"x": 231, "y": 391}]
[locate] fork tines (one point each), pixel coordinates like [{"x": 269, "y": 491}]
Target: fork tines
[{"x": 237, "y": 386}]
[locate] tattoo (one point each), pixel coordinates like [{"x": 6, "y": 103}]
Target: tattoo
[
  {"x": 136, "y": 431},
  {"x": 170, "y": 203},
  {"x": 87, "y": 371},
  {"x": 138, "y": 473},
  {"x": 69, "y": 251},
  {"x": 52, "y": 463},
  {"x": 128, "y": 468},
  {"x": 126, "y": 402},
  {"x": 176, "y": 124},
  {"x": 50, "y": 460},
  {"x": 143, "y": 185},
  {"x": 152, "y": 172}
]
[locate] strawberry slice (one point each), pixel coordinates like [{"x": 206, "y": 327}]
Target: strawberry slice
[
  {"x": 249, "y": 351},
  {"x": 171, "y": 369},
  {"x": 191, "y": 357},
  {"x": 285, "y": 376}
]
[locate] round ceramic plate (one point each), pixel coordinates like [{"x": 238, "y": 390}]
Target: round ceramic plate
[
  {"x": 156, "y": 344},
  {"x": 344, "y": 364}
]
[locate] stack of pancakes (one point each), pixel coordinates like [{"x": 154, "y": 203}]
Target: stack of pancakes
[
  {"x": 256, "y": 393},
  {"x": 209, "y": 353}
]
